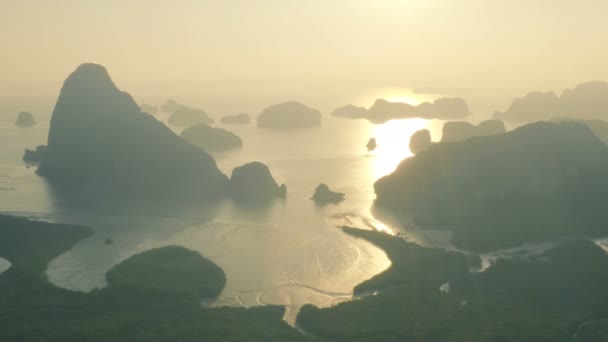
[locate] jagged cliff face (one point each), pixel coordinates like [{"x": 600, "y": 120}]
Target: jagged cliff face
[
  {"x": 100, "y": 138},
  {"x": 88, "y": 97},
  {"x": 540, "y": 159},
  {"x": 538, "y": 181}
]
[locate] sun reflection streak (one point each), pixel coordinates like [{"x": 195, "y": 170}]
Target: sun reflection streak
[
  {"x": 393, "y": 140},
  {"x": 409, "y": 99},
  {"x": 381, "y": 227}
]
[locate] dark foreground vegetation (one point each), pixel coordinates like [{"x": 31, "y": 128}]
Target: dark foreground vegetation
[
  {"x": 426, "y": 295},
  {"x": 559, "y": 295},
  {"x": 184, "y": 272},
  {"x": 154, "y": 296}
]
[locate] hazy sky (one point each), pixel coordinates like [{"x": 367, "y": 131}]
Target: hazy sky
[{"x": 274, "y": 44}]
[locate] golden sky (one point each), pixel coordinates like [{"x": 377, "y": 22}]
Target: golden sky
[{"x": 242, "y": 44}]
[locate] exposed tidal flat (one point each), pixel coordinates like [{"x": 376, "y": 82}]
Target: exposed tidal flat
[{"x": 264, "y": 263}]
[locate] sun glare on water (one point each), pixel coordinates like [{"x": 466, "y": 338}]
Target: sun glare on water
[{"x": 393, "y": 139}]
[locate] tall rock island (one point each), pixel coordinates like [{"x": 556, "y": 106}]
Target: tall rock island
[
  {"x": 100, "y": 141},
  {"x": 539, "y": 181}
]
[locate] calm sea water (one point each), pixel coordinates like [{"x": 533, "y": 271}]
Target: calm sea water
[{"x": 290, "y": 253}]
